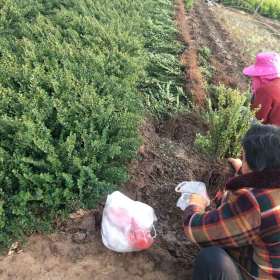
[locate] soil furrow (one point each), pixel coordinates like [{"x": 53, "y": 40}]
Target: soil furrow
[
  {"x": 226, "y": 57},
  {"x": 194, "y": 79}
]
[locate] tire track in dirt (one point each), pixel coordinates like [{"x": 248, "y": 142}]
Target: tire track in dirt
[{"x": 226, "y": 58}]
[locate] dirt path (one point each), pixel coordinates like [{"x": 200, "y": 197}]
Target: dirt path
[
  {"x": 166, "y": 158},
  {"x": 226, "y": 57},
  {"x": 194, "y": 80},
  {"x": 200, "y": 29}
]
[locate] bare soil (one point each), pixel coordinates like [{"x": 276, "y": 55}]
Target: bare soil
[
  {"x": 194, "y": 80},
  {"x": 226, "y": 57},
  {"x": 252, "y": 34},
  {"x": 166, "y": 158}
]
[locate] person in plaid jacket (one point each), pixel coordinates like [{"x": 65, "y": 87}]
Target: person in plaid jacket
[{"x": 240, "y": 239}]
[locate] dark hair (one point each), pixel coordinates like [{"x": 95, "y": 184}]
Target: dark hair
[{"x": 262, "y": 147}]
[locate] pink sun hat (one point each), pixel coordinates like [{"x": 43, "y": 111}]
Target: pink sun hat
[{"x": 267, "y": 63}]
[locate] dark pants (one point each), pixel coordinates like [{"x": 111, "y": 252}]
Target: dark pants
[{"x": 213, "y": 263}]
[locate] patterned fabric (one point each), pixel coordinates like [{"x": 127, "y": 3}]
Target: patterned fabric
[{"x": 246, "y": 224}]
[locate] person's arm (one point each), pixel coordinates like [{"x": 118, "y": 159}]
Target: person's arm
[
  {"x": 233, "y": 224},
  {"x": 236, "y": 163},
  {"x": 263, "y": 103}
]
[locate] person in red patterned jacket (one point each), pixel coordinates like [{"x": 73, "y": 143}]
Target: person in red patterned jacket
[
  {"x": 240, "y": 239},
  {"x": 265, "y": 77}
]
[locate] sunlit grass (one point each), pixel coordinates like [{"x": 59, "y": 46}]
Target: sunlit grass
[{"x": 250, "y": 35}]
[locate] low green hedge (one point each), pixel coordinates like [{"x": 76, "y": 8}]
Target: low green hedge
[{"x": 76, "y": 77}]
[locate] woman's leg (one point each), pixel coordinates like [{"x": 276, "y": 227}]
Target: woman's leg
[{"x": 213, "y": 263}]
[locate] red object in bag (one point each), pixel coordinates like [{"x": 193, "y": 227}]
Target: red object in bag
[{"x": 140, "y": 239}]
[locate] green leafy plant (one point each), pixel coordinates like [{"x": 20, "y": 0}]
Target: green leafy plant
[
  {"x": 205, "y": 66},
  {"x": 162, "y": 86},
  {"x": 189, "y": 4},
  {"x": 165, "y": 99},
  {"x": 75, "y": 77},
  {"x": 228, "y": 123}
]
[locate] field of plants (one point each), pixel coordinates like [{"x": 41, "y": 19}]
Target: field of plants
[
  {"x": 101, "y": 95},
  {"x": 76, "y": 79},
  {"x": 269, "y": 8},
  {"x": 76, "y": 82}
]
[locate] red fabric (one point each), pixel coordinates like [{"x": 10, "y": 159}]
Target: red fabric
[
  {"x": 247, "y": 224},
  {"x": 268, "y": 99},
  {"x": 258, "y": 82}
]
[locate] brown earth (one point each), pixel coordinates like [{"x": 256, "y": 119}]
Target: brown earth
[
  {"x": 166, "y": 158},
  {"x": 226, "y": 57},
  {"x": 273, "y": 25},
  {"x": 200, "y": 29},
  {"x": 253, "y": 34},
  {"x": 194, "y": 80}
]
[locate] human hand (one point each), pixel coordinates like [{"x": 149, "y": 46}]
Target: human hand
[
  {"x": 198, "y": 200},
  {"x": 236, "y": 163}
]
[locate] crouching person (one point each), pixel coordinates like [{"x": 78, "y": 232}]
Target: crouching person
[{"x": 240, "y": 239}]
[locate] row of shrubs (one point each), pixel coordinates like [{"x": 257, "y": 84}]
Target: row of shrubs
[{"x": 76, "y": 77}]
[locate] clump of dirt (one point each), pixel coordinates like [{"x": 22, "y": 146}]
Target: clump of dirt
[
  {"x": 182, "y": 128},
  {"x": 146, "y": 162},
  {"x": 175, "y": 159},
  {"x": 220, "y": 173},
  {"x": 178, "y": 161}
]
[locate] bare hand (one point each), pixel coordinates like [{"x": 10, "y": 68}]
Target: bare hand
[
  {"x": 198, "y": 200},
  {"x": 236, "y": 163}
]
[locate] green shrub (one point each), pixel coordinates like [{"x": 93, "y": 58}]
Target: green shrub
[
  {"x": 70, "y": 74},
  {"x": 205, "y": 66},
  {"x": 189, "y": 4},
  {"x": 228, "y": 123},
  {"x": 165, "y": 98},
  {"x": 69, "y": 106}
]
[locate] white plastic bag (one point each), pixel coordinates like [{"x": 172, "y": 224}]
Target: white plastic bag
[
  {"x": 190, "y": 187},
  {"x": 127, "y": 224}
]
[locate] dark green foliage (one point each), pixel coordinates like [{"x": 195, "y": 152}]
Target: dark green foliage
[
  {"x": 189, "y": 4},
  {"x": 162, "y": 86},
  {"x": 228, "y": 122},
  {"x": 207, "y": 70},
  {"x": 70, "y": 108}
]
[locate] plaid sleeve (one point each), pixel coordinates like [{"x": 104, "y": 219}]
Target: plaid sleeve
[
  {"x": 233, "y": 224},
  {"x": 218, "y": 199}
]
